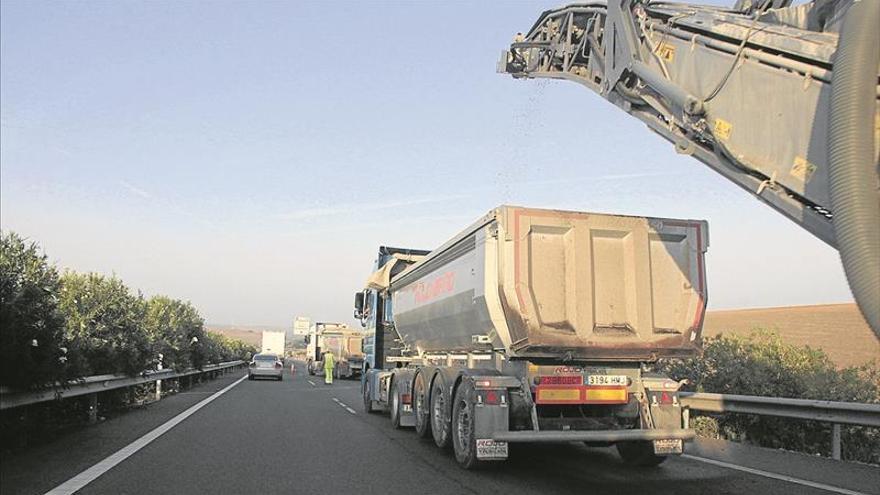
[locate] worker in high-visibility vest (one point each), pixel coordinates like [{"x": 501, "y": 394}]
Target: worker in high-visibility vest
[{"x": 329, "y": 365}]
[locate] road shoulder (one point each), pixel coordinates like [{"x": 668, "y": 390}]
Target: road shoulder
[{"x": 39, "y": 469}]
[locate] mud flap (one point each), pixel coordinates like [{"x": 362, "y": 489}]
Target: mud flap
[{"x": 491, "y": 418}]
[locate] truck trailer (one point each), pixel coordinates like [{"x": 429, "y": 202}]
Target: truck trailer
[
  {"x": 537, "y": 325},
  {"x": 343, "y": 341},
  {"x": 273, "y": 343}
]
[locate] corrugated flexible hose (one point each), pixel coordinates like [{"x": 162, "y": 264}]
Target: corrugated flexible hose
[{"x": 853, "y": 168}]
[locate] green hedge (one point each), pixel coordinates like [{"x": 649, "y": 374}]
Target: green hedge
[
  {"x": 31, "y": 326},
  {"x": 762, "y": 364},
  {"x": 55, "y": 328}
]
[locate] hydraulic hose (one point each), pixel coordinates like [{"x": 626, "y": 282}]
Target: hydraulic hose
[{"x": 853, "y": 168}]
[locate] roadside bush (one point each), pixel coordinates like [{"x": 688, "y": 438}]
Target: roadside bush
[
  {"x": 238, "y": 350},
  {"x": 174, "y": 328},
  {"x": 232, "y": 349},
  {"x": 762, "y": 364},
  {"x": 104, "y": 325},
  {"x": 30, "y": 324}
]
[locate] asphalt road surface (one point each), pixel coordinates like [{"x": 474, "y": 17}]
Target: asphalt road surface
[{"x": 301, "y": 436}]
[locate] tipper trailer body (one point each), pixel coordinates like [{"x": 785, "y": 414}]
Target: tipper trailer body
[
  {"x": 537, "y": 325},
  {"x": 345, "y": 343}
]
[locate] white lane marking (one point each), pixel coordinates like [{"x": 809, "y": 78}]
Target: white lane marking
[
  {"x": 342, "y": 405},
  {"x": 311, "y": 383},
  {"x": 775, "y": 476},
  {"x": 91, "y": 474}
]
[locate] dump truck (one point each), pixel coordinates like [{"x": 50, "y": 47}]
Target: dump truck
[
  {"x": 343, "y": 341},
  {"x": 537, "y": 325}
]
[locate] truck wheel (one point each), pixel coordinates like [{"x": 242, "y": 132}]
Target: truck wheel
[
  {"x": 440, "y": 426},
  {"x": 421, "y": 411},
  {"x": 368, "y": 398},
  {"x": 639, "y": 454},
  {"x": 464, "y": 442},
  {"x": 395, "y": 406}
]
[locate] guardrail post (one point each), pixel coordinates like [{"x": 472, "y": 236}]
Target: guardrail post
[
  {"x": 158, "y": 389},
  {"x": 835, "y": 441},
  {"x": 93, "y": 408}
]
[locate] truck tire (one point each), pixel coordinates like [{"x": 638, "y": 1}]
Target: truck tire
[
  {"x": 464, "y": 441},
  {"x": 421, "y": 411},
  {"x": 395, "y": 406},
  {"x": 368, "y": 400},
  {"x": 639, "y": 454},
  {"x": 440, "y": 424}
]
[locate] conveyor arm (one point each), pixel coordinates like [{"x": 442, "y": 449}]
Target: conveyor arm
[{"x": 747, "y": 91}]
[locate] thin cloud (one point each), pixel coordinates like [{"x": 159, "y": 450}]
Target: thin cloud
[
  {"x": 310, "y": 213},
  {"x": 135, "y": 190},
  {"x": 607, "y": 177}
]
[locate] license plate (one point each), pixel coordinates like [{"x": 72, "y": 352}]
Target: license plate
[
  {"x": 668, "y": 446},
  {"x": 615, "y": 380},
  {"x": 490, "y": 449}
]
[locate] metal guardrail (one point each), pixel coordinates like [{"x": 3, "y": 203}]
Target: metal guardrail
[
  {"x": 837, "y": 413},
  {"x": 102, "y": 383}
]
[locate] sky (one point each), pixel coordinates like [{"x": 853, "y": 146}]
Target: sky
[{"x": 251, "y": 156}]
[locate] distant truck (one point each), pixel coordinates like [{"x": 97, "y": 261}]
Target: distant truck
[
  {"x": 273, "y": 343},
  {"x": 537, "y": 326},
  {"x": 344, "y": 342}
]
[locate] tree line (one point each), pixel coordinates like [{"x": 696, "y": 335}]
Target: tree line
[{"x": 59, "y": 326}]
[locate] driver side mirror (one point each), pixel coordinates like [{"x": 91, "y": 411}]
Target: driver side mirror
[{"x": 359, "y": 305}]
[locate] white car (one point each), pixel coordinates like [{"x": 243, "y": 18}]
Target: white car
[{"x": 266, "y": 365}]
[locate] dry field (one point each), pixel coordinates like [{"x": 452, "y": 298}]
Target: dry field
[
  {"x": 248, "y": 336},
  {"x": 838, "y": 329}
]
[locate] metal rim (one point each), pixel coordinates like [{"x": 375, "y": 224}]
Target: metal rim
[
  {"x": 437, "y": 412},
  {"x": 463, "y": 426},
  {"x": 419, "y": 400}
]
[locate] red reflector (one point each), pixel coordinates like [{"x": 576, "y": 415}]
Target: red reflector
[
  {"x": 406, "y": 398},
  {"x": 562, "y": 380},
  {"x": 491, "y": 397},
  {"x": 665, "y": 398}
]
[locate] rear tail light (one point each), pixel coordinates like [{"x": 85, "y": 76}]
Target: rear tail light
[
  {"x": 664, "y": 398},
  {"x": 492, "y": 397},
  {"x": 406, "y": 398},
  {"x": 278, "y": 365}
]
